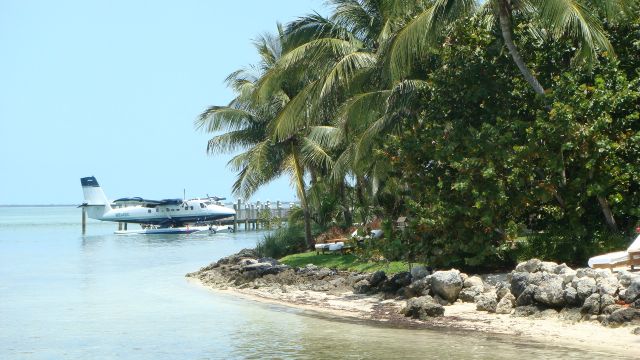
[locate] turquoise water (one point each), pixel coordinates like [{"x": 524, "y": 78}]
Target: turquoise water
[{"x": 104, "y": 296}]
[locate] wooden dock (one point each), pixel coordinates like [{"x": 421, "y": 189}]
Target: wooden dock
[{"x": 258, "y": 215}]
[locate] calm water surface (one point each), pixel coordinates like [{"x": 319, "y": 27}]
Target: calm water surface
[{"x": 104, "y": 296}]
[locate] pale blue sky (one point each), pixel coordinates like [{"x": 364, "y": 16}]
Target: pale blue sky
[{"x": 111, "y": 89}]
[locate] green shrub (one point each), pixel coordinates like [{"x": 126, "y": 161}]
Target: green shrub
[{"x": 282, "y": 242}]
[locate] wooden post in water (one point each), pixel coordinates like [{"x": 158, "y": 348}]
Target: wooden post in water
[
  {"x": 251, "y": 215},
  {"x": 258, "y": 208},
  {"x": 268, "y": 208},
  {"x": 279, "y": 213},
  {"x": 235, "y": 217},
  {"x": 246, "y": 217},
  {"x": 84, "y": 220}
]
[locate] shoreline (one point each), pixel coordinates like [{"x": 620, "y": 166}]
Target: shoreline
[
  {"x": 458, "y": 317},
  {"x": 339, "y": 296}
]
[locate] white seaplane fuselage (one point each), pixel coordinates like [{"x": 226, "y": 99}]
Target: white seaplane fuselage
[{"x": 155, "y": 216}]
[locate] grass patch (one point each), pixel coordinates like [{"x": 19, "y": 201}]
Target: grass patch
[{"x": 343, "y": 262}]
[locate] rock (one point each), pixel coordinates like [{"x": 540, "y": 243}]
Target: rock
[
  {"x": 605, "y": 301},
  {"x": 586, "y": 272},
  {"x": 625, "y": 277},
  {"x": 519, "y": 282},
  {"x": 528, "y": 266},
  {"x": 245, "y": 262},
  {"x": 419, "y": 272},
  {"x": 311, "y": 267},
  {"x": 422, "y": 308},
  {"x": 636, "y": 331},
  {"x": 548, "y": 266},
  {"x": 420, "y": 287},
  {"x": 272, "y": 261},
  {"x": 502, "y": 290},
  {"x": 324, "y": 272},
  {"x": 591, "y": 305},
  {"x": 571, "y": 296},
  {"x": 562, "y": 269},
  {"x": 257, "y": 266},
  {"x": 402, "y": 278},
  {"x": 622, "y": 316},
  {"x": 473, "y": 281},
  {"x": 633, "y": 291},
  {"x": 486, "y": 302},
  {"x": 636, "y": 304},
  {"x": 607, "y": 285},
  {"x": 550, "y": 293},
  {"x": 389, "y": 287},
  {"x": 377, "y": 278},
  {"x": 585, "y": 286},
  {"x": 469, "y": 294},
  {"x": 440, "y": 300},
  {"x": 608, "y": 310},
  {"x": 527, "y": 310},
  {"x": 446, "y": 284},
  {"x": 526, "y": 297},
  {"x": 506, "y": 304}
]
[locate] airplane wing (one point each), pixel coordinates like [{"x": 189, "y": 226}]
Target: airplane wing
[{"x": 141, "y": 201}]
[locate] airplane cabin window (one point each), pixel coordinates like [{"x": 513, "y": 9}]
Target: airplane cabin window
[
  {"x": 157, "y": 209},
  {"x": 191, "y": 207},
  {"x": 149, "y": 211},
  {"x": 202, "y": 205}
]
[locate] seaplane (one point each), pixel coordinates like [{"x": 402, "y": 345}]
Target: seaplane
[{"x": 167, "y": 216}]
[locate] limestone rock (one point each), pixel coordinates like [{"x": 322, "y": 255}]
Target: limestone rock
[
  {"x": 519, "y": 282},
  {"x": 591, "y": 305},
  {"x": 528, "y": 266},
  {"x": 486, "y": 302},
  {"x": 506, "y": 304},
  {"x": 636, "y": 331},
  {"x": 502, "y": 290},
  {"x": 585, "y": 286},
  {"x": 420, "y": 287},
  {"x": 607, "y": 285},
  {"x": 625, "y": 277},
  {"x": 419, "y": 272},
  {"x": 526, "y": 297},
  {"x": 586, "y": 272},
  {"x": 550, "y": 293},
  {"x": 402, "y": 278},
  {"x": 571, "y": 296},
  {"x": 440, "y": 300},
  {"x": 469, "y": 294},
  {"x": 622, "y": 316},
  {"x": 473, "y": 281},
  {"x": 423, "y": 308},
  {"x": 633, "y": 291},
  {"x": 446, "y": 284},
  {"x": 547, "y": 266},
  {"x": 377, "y": 278}
]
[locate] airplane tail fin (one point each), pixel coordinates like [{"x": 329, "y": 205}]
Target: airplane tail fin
[{"x": 94, "y": 198}]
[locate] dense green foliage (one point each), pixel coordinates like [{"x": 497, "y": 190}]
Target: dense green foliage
[
  {"x": 500, "y": 130},
  {"x": 282, "y": 242}
]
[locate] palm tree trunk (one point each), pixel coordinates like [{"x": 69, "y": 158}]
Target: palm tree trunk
[
  {"x": 505, "y": 26},
  {"x": 299, "y": 174},
  {"x": 346, "y": 210}
]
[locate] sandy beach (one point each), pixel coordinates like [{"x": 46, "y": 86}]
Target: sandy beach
[{"x": 460, "y": 316}]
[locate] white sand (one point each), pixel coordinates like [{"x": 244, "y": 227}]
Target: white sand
[{"x": 583, "y": 334}]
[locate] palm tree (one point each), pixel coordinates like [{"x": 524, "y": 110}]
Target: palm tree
[
  {"x": 577, "y": 19},
  {"x": 247, "y": 122}
]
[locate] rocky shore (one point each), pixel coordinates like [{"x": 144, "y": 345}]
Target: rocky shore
[{"x": 544, "y": 300}]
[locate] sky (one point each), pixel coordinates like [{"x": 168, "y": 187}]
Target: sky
[{"x": 111, "y": 89}]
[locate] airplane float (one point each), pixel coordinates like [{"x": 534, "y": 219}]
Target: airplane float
[{"x": 168, "y": 216}]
